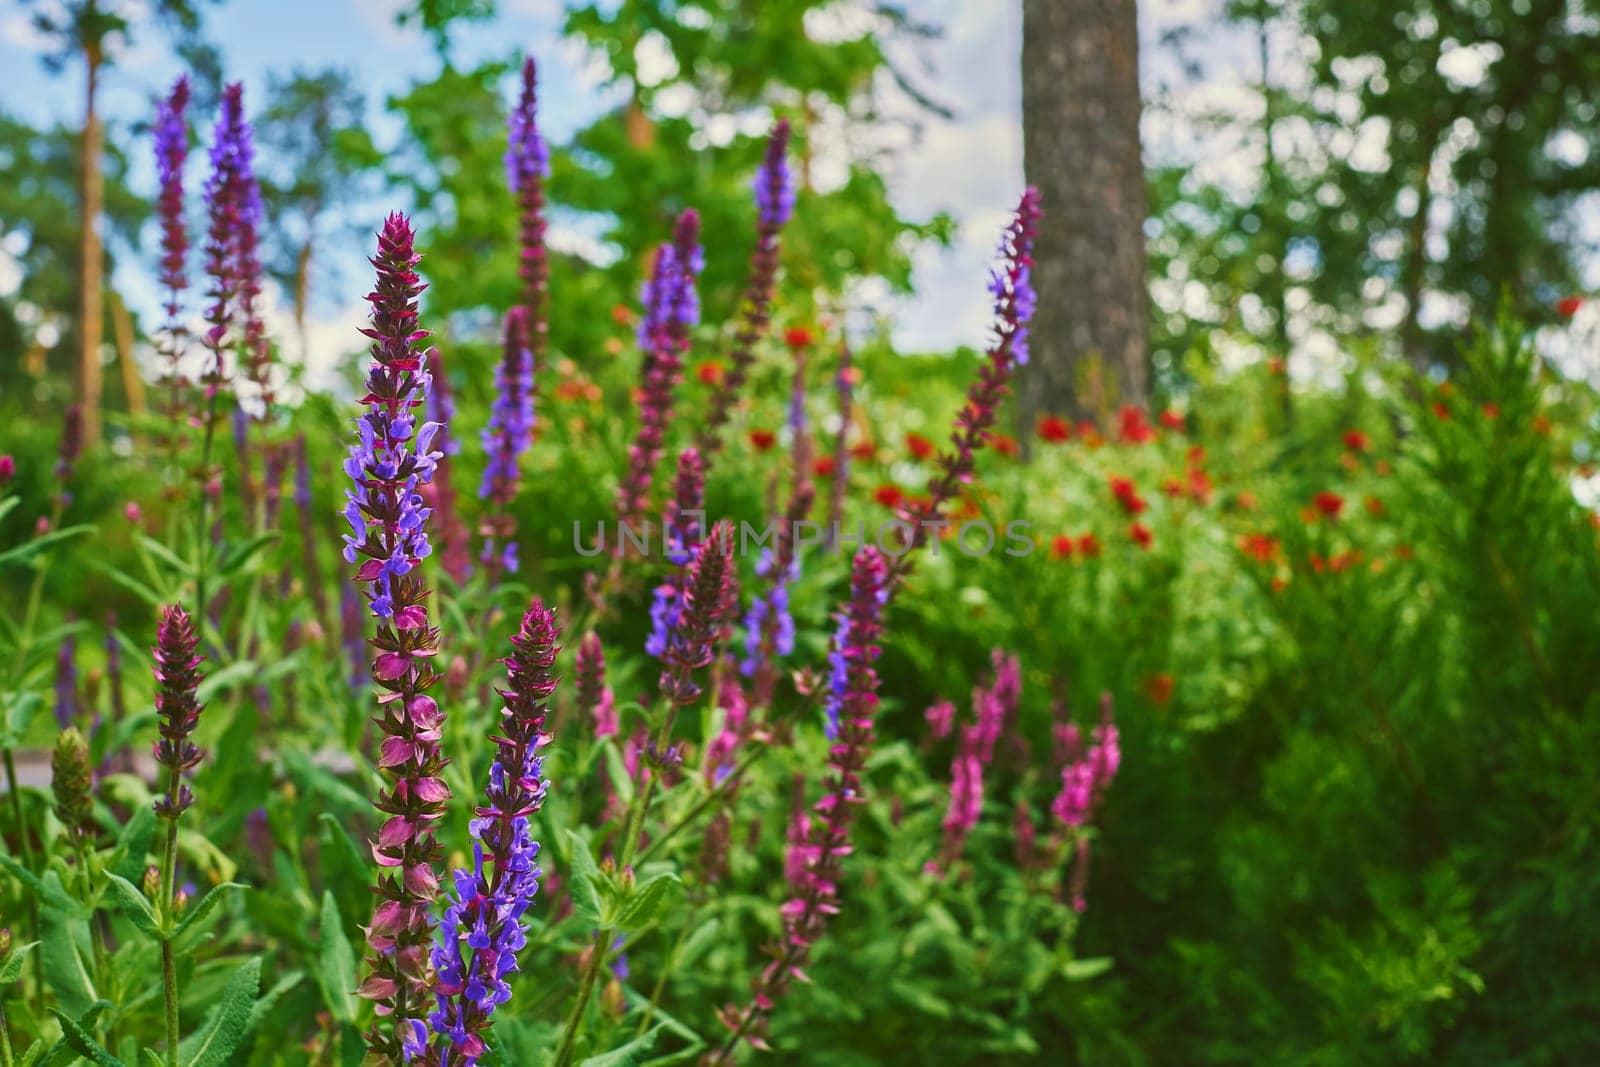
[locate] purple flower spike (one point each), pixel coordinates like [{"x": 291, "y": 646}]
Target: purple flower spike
[
  {"x": 1085, "y": 778},
  {"x": 490, "y": 899},
  {"x": 672, "y": 308},
  {"x": 527, "y": 166},
  {"x": 681, "y": 534},
  {"x": 177, "y": 671},
  {"x": 1008, "y": 347},
  {"x": 595, "y": 698},
  {"x": 774, "y": 187},
  {"x": 508, "y": 435},
  {"x": 232, "y": 247},
  {"x": 775, "y": 197},
  {"x": 172, "y": 151},
  {"x": 66, "y": 707},
  {"x": 455, "y": 552},
  {"x": 388, "y": 464},
  {"x": 709, "y": 594},
  {"x": 816, "y": 857}
]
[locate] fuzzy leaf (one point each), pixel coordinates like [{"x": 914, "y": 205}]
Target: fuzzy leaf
[
  {"x": 133, "y": 843},
  {"x": 204, "y": 908},
  {"x": 585, "y": 877},
  {"x": 11, "y": 970},
  {"x": 28, "y": 550},
  {"x": 226, "y": 1025},
  {"x": 82, "y": 1042},
  {"x": 627, "y": 1055},
  {"x": 133, "y": 904},
  {"x": 647, "y": 902},
  {"x": 336, "y": 963}
]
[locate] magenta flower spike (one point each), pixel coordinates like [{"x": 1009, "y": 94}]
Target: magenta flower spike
[
  {"x": 710, "y": 592},
  {"x": 816, "y": 860},
  {"x": 595, "y": 699},
  {"x": 681, "y": 530},
  {"x": 672, "y": 308},
  {"x": 775, "y": 199},
  {"x": 232, "y": 248},
  {"x": 455, "y": 551},
  {"x": 177, "y": 673},
  {"x": 482, "y": 930},
  {"x": 389, "y": 462}
]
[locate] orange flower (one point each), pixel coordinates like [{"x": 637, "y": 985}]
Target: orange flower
[
  {"x": 1158, "y": 687},
  {"x": 1089, "y": 435},
  {"x": 1404, "y": 551},
  {"x": 863, "y": 450},
  {"x": 798, "y": 337},
  {"x": 1382, "y": 468},
  {"x": 1061, "y": 547},
  {"x": 1088, "y": 545},
  {"x": 1005, "y": 444},
  {"x": 1440, "y": 411},
  {"x": 762, "y": 440},
  {"x": 1328, "y": 503},
  {"x": 919, "y": 446},
  {"x": 1054, "y": 429},
  {"x": 709, "y": 372},
  {"x": 1141, "y": 535},
  {"x": 1344, "y": 561},
  {"x": 1275, "y": 365},
  {"x": 1541, "y": 424},
  {"x": 1374, "y": 506},
  {"x": 1247, "y": 501},
  {"x": 1200, "y": 486},
  {"x": 1356, "y": 441},
  {"x": 621, "y": 314},
  {"x": 1259, "y": 546},
  {"x": 1491, "y": 410},
  {"x": 1173, "y": 487}
]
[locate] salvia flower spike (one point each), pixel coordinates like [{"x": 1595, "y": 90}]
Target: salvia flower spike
[
  {"x": 508, "y": 435},
  {"x": 172, "y": 151},
  {"x": 491, "y": 897},
  {"x": 177, "y": 673},
  {"x": 775, "y": 199},
  {"x": 672, "y": 308},
  {"x": 389, "y": 463},
  {"x": 1012, "y": 288},
  {"x": 680, "y": 530},
  {"x": 595, "y": 698},
  {"x": 527, "y": 166},
  {"x": 72, "y": 785},
  {"x": 817, "y": 858},
  {"x": 709, "y": 594}
]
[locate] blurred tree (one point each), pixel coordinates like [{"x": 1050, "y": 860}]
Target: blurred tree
[
  {"x": 87, "y": 30},
  {"x": 1080, "y": 121},
  {"x": 318, "y": 158},
  {"x": 39, "y": 198},
  {"x": 1415, "y": 162}
]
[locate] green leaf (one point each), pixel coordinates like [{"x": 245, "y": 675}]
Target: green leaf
[
  {"x": 65, "y": 955},
  {"x": 165, "y": 555},
  {"x": 25, "y": 552},
  {"x": 151, "y": 1057},
  {"x": 81, "y": 1042},
  {"x": 1081, "y": 970},
  {"x": 133, "y": 843},
  {"x": 628, "y": 1055},
  {"x": 240, "y": 556},
  {"x": 648, "y": 901},
  {"x": 207, "y": 905},
  {"x": 19, "y": 714},
  {"x": 225, "y": 1027},
  {"x": 134, "y": 905},
  {"x": 130, "y": 583},
  {"x": 336, "y": 963},
  {"x": 225, "y": 679},
  {"x": 48, "y": 891},
  {"x": 11, "y": 970},
  {"x": 585, "y": 877},
  {"x": 33, "y": 1053}
]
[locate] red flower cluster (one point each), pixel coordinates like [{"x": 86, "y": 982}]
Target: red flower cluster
[
  {"x": 1054, "y": 429},
  {"x": 1328, "y": 504},
  {"x": 1133, "y": 428},
  {"x": 919, "y": 446},
  {"x": 1127, "y": 495}
]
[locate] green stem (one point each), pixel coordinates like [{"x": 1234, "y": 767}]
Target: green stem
[
  {"x": 726, "y": 786},
  {"x": 168, "y": 894},
  {"x": 6, "y": 1058},
  {"x": 661, "y": 981}
]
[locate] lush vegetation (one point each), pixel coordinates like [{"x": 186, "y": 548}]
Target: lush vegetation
[{"x": 1219, "y": 730}]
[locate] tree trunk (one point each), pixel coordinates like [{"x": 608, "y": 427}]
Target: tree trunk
[
  {"x": 91, "y": 315},
  {"x": 302, "y": 294},
  {"x": 1080, "y": 136}
]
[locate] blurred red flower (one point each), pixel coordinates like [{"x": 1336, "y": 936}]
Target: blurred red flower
[
  {"x": 1132, "y": 428},
  {"x": 1127, "y": 495},
  {"x": 1328, "y": 503},
  {"x": 1568, "y": 306},
  {"x": 1061, "y": 547},
  {"x": 1172, "y": 420},
  {"x": 798, "y": 337},
  {"x": 919, "y": 446},
  {"x": 1259, "y": 546},
  {"x": 1055, "y": 429},
  {"x": 1005, "y": 444},
  {"x": 1158, "y": 687},
  {"x": 761, "y": 440},
  {"x": 822, "y": 466},
  {"x": 1356, "y": 441},
  {"x": 863, "y": 450},
  {"x": 709, "y": 372},
  {"x": 889, "y": 495},
  {"x": 1141, "y": 535},
  {"x": 1088, "y": 545}
]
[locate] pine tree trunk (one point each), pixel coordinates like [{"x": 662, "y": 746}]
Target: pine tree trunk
[
  {"x": 1080, "y": 122},
  {"x": 91, "y": 315}
]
